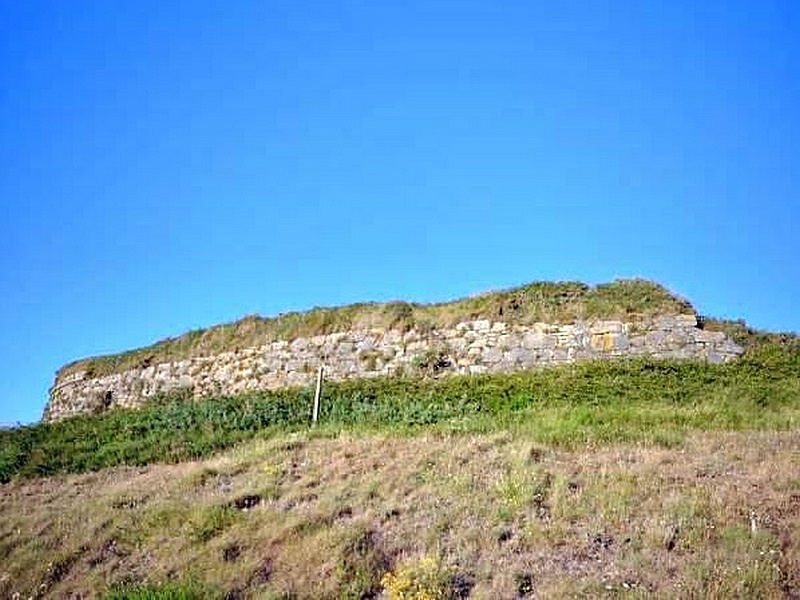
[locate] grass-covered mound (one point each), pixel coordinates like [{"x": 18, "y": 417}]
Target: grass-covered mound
[{"x": 560, "y": 302}]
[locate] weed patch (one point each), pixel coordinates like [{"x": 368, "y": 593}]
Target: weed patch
[
  {"x": 168, "y": 591},
  {"x": 362, "y": 562},
  {"x": 422, "y": 579},
  {"x": 209, "y": 522}
]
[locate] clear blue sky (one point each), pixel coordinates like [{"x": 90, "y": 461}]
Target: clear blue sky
[{"x": 172, "y": 165}]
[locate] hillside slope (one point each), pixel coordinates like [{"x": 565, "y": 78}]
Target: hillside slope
[
  {"x": 466, "y": 516},
  {"x": 643, "y": 477}
]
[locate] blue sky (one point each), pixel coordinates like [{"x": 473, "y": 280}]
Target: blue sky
[{"x": 172, "y": 165}]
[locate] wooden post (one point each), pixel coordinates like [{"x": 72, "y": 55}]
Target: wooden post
[{"x": 317, "y": 395}]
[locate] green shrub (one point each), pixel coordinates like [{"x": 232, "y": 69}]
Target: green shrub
[
  {"x": 169, "y": 591},
  {"x": 431, "y": 362}
]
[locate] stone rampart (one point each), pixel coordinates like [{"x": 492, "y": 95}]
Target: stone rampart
[{"x": 479, "y": 346}]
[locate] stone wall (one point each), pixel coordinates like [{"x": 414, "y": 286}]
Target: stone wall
[{"x": 472, "y": 347}]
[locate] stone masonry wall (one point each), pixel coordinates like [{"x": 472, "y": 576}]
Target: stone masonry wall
[{"x": 472, "y": 347}]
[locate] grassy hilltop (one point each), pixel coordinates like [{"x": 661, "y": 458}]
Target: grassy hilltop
[
  {"x": 561, "y": 302},
  {"x": 638, "y": 478}
]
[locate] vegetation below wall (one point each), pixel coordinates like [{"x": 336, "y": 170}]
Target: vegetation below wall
[
  {"x": 479, "y": 515},
  {"x": 651, "y": 401},
  {"x": 632, "y": 478},
  {"x": 562, "y": 302}
]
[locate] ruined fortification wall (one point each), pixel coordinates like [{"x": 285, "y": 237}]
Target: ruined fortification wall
[{"x": 480, "y": 346}]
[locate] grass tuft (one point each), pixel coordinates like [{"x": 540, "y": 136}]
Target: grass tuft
[{"x": 169, "y": 591}]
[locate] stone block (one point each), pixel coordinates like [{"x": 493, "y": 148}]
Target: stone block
[
  {"x": 481, "y": 325},
  {"x": 520, "y": 356},
  {"x": 709, "y": 337},
  {"x": 619, "y": 342},
  {"x": 492, "y": 355},
  {"x": 537, "y": 339},
  {"x": 299, "y": 344},
  {"x": 730, "y": 348},
  {"x": 345, "y": 347},
  {"x": 506, "y": 341},
  {"x": 607, "y": 327},
  {"x": 458, "y": 344},
  {"x": 609, "y": 342},
  {"x": 474, "y": 351}
]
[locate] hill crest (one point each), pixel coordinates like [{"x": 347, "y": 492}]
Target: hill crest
[{"x": 539, "y": 324}]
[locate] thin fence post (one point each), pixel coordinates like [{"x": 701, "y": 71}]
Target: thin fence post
[{"x": 317, "y": 395}]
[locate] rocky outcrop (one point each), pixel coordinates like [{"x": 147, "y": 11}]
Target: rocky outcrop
[{"x": 480, "y": 346}]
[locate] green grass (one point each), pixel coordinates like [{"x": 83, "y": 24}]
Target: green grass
[
  {"x": 597, "y": 402},
  {"x": 550, "y": 302},
  {"x": 168, "y": 591}
]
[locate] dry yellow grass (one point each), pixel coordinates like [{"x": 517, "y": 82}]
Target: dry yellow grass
[{"x": 305, "y": 517}]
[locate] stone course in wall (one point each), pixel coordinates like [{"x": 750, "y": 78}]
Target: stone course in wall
[{"x": 479, "y": 346}]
